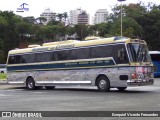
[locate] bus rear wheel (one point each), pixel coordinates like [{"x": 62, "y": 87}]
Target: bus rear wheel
[
  {"x": 30, "y": 84},
  {"x": 121, "y": 88},
  {"x": 103, "y": 84}
]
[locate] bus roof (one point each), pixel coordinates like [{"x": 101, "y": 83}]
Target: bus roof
[
  {"x": 154, "y": 52},
  {"x": 74, "y": 43}
]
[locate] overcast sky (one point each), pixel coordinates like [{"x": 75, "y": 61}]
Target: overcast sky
[{"x": 36, "y": 7}]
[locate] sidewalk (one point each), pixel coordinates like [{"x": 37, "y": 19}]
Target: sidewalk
[
  {"x": 3, "y": 82},
  {"x": 5, "y": 85}
]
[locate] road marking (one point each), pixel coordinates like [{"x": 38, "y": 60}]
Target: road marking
[{"x": 3, "y": 95}]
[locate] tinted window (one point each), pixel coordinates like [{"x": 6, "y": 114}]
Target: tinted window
[
  {"x": 43, "y": 57},
  {"x": 82, "y": 53},
  {"x": 101, "y": 51},
  {"x": 138, "y": 52},
  {"x": 28, "y": 58},
  {"x": 62, "y": 55},
  {"x": 14, "y": 59},
  {"x": 155, "y": 57},
  {"x": 115, "y": 54}
]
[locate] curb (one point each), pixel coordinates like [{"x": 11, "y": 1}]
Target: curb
[{"x": 3, "y": 82}]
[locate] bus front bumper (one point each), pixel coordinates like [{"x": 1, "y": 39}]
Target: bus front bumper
[{"x": 140, "y": 82}]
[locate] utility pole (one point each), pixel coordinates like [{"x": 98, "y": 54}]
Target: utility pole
[{"x": 121, "y": 16}]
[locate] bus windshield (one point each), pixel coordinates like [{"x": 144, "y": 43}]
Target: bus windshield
[{"x": 138, "y": 52}]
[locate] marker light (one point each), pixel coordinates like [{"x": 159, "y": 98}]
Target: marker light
[{"x": 134, "y": 76}]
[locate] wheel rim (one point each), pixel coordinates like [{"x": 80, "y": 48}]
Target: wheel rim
[
  {"x": 30, "y": 84},
  {"x": 102, "y": 84}
]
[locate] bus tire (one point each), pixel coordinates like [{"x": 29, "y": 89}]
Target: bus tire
[
  {"x": 30, "y": 83},
  {"x": 121, "y": 88},
  {"x": 49, "y": 87},
  {"x": 103, "y": 84}
]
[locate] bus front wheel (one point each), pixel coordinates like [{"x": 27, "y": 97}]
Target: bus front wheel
[
  {"x": 103, "y": 84},
  {"x": 30, "y": 84}
]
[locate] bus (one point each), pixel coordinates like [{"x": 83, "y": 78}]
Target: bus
[
  {"x": 155, "y": 56},
  {"x": 115, "y": 62}
]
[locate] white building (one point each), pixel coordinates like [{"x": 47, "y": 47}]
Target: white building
[
  {"x": 48, "y": 14},
  {"x": 100, "y": 16},
  {"x": 83, "y": 18},
  {"x": 77, "y": 17}
]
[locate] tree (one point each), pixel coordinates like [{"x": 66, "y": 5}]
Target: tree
[
  {"x": 8, "y": 35},
  {"x": 70, "y": 31},
  {"x": 30, "y": 19},
  {"x": 41, "y": 20},
  {"x": 81, "y": 30},
  {"x": 130, "y": 28},
  {"x": 22, "y": 29},
  {"x": 53, "y": 22},
  {"x": 103, "y": 29},
  {"x": 151, "y": 26},
  {"x": 65, "y": 15},
  {"x": 60, "y": 16}
]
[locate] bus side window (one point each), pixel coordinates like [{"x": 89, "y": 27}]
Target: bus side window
[
  {"x": 43, "y": 57},
  {"x": 15, "y": 59},
  {"x": 62, "y": 55},
  {"x": 55, "y": 54},
  {"x": 23, "y": 60},
  {"x": 101, "y": 51},
  {"x": 121, "y": 54},
  {"x": 11, "y": 60},
  {"x": 28, "y": 58},
  {"x": 83, "y": 53}
]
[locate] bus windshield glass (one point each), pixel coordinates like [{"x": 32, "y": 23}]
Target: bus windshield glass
[{"x": 138, "y": 52}]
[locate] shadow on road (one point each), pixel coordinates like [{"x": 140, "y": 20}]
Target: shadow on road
[{"x": 112, "y": 90}]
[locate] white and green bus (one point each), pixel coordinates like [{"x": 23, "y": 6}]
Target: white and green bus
[{"x": 115, "y": 62}]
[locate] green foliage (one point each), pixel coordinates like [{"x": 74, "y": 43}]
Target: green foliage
[
  {"x": 3, "y": 76},
  {"x": 30, "y": 19},
  {"x": 130, "y": 28},
  {"x": 41, "y": 20},
  {"x": 8, "y": 34},
  {"x": 82, "y": 31},
  {"x": 151, "y": 27},
  {"x": 139, "y": 21},
  {"x": 53, "y": 22}
]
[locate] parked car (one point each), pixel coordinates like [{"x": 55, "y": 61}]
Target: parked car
[{"x": 3, "y": 68}]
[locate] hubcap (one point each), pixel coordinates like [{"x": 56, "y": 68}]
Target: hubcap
[
  {"x": 102, "y": 84},
  {"x": 30, "y": 84}
]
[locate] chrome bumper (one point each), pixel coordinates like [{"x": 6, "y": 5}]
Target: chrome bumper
[{"x": 140, "y": 82}]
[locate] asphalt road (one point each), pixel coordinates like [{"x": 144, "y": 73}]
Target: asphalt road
[{"x": 146, "y": 98}]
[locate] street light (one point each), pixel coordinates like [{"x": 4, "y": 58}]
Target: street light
[{"x": 121, "y": 13}]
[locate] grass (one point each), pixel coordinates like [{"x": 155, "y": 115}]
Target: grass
[{"x": 3, "y": 76}]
